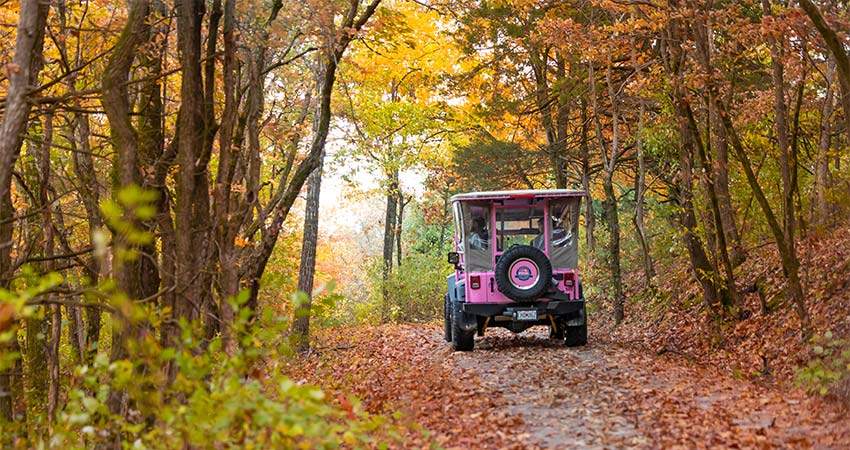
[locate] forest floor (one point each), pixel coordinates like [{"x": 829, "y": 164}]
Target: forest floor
[{"x": 527, "y": 391}]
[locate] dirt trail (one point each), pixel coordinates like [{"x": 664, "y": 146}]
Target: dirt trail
[
  {"x": 529, "y": 392},
  {"x": 608, "y": 396}
]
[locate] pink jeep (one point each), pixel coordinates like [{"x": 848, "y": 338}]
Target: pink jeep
[{"x": 516, "y": 265}]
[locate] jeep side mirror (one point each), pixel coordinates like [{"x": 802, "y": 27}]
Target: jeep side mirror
[{"x": 454, "y": 257}]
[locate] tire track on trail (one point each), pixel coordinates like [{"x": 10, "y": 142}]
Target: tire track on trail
[{"x": 608, "y": 396}]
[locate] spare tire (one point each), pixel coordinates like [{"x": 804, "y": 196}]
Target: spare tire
[{"x": 523, "y": 273}]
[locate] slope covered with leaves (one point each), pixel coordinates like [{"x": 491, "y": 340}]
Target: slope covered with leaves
[{"x": 763, "y": 342}]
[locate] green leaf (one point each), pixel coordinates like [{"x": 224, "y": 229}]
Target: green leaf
[{"x": 91, "y": 404}]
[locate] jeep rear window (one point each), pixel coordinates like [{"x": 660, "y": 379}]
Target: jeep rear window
[{"x": 519, "y": 226}]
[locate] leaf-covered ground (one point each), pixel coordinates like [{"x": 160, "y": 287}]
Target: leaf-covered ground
[
  {"x": 526, "y": 391},
  {"x": 765, "y": 344}
]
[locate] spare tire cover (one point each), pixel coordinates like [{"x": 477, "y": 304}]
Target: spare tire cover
[{"x": 523, "y": 273}]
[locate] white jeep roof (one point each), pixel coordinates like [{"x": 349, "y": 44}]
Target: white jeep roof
[{"x": 528, "y": 193}]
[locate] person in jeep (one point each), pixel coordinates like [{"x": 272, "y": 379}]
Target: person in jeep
[
  {"x": 540, "y": 239},
  {"x": 478, "y": 238}
]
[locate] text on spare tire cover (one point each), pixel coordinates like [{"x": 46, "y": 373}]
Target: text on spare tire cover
[{"x": 523, "y": 273}]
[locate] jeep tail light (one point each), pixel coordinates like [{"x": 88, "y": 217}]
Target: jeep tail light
[
  {"x": 475, "y": 281},
  {"x": 568, "y": 279}
]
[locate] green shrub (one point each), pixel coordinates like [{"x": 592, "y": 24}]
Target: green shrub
[
  {"x": 414, "y": 292},
  {"x": 214, "y": 401},
  {"x": 829, "y": 366}
]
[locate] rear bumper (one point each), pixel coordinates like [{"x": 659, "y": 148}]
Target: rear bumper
[{"x": 555, "y": 308}]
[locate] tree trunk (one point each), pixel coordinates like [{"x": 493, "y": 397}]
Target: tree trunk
[
  {"x": 612, "y": 217},
  {"x": 820, "y": 204},
  {"x": 83, "y": 164},
  {"x": 22, "y": 74},
  {"x": 612, "y": 220},
  {"x": 562, "y": 121},
  {"x": 49, "y": 252},
  {"x": 306, "y": 271},
  {"x": 839, "y": 53},
  {"x": 227, "y": 228},
  {"x": 794, "y": 156},
  {"x": 389, "y": 237},
  {"x": 39, "y": 330},
  {"x": 190, "y": 138},
  {"x": 721, "y": 185},
  {"x": 704, "y": 270},
  {"x": 638, "y": 220},
  {"x": 789, "y": 255},
  {"x": 539, "y": 64},
  {"x": 206, "y": 259},
  {"x": 589, "y": 218},
  {"x": 42, "y": 241},
  {"x": 251, "y": 165},
  {"x": 790, "y": 264},
  {"x": 444, "y": 222},
  {"x": 674, "y": 56},
  {"x": 640, "y": 190},
  {"x": 402, "y": 203},
  {"x": 729, "y": 294},
  {"x": 640, "y": 187},
  {"x": 125, "y": 141},
  {"x": 37, "y": 345}
]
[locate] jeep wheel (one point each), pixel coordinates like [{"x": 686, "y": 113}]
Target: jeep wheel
[
  {"x": 523, "y": 273},
  {"x": 447, "y": 317},
  {"x": 576, "y": 336},
  {"x": 462, "y": 340}
]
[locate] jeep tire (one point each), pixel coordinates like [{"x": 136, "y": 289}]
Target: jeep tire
[
  {"x": 536, "y": 266},
  {"x": 462, "y": 340},
  {"x": 576, "y": 335},
  {"x": 447, "y": 317}
]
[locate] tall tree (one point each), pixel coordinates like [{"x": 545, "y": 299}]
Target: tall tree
[
  {"x": 715, "y": 144},
  {"x": 820, "y": 204},
  {"x": 331, "y": 54},
  {"x": 125, "y": 141},
  {"x": 610, "y": 152},
  {"x": 306, "y": 270},
  {"x": 674, "y": 58},
  {"x": 790, "y": 262},
  {"x": 23, "y": 74},
  {"x": 839, "y": 53}
]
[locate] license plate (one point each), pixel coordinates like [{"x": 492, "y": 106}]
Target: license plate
[{"x": 526, "y": 315}]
